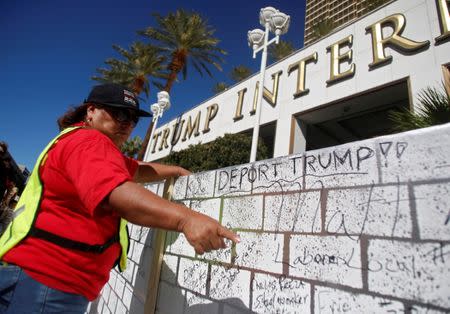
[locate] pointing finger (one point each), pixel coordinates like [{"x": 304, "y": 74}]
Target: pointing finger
[{"x": 226, "y": 233}]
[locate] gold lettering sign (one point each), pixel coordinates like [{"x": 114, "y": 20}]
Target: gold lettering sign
[
  {"x": 336, "y": 58},
  {"x": 155, "y": 141},
  {"x": 190, "y": 127},
  {"x": 270, "y": 97},
  {"x": 176, "y": 132},
  {"x": 210, "y": 114},
  {"x": 238, "y": 115},
  {"x": 301, "y": 73},
  {"x": 341, "y": 67},
  {"x": 444, "y": 20},
  {"x": 446, "y": 80},
  {"x": 397, "y": 22},
  {"x": 165, "y": 136}
]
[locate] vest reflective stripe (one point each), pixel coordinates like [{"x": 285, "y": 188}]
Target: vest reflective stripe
[
  {"x": 124, "y": 239},
  {"x": 27, "y": 208}
]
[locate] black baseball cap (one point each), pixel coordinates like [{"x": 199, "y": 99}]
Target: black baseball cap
[{"x": 115, "y": 95}]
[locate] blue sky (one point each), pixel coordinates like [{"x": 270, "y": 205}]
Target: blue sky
[{"x": 51, "y": 48}]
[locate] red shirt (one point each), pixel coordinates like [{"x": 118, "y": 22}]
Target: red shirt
[{"x": 80, "y": 171}]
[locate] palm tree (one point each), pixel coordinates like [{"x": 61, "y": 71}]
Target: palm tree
[
  {"x": 373, "y": 4},
  {"x": 219, "y": 87},
  {"x": 281, "y": 50},
  {"x": 323, "y": 28},
  {"x": 240, "y": 73},
  {"x": 186, "y": 39},
  {"x": 131, "y": 147},
  {"x": 139, "y": 64},
  {"x": 434, "y": 108}
]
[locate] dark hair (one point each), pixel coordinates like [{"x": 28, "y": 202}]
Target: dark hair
[
  {"x": 73, "y": 115},
  {"x": 4, "y": 147}
]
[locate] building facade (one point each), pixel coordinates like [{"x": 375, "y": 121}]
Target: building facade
[
  {"x": 337, "y": 90},
  {"x": 335, "y": 13}
]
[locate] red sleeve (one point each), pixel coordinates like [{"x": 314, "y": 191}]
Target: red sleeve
[
  {"x": 95, "y": 166},
  {"x": 132, "y": 165}
]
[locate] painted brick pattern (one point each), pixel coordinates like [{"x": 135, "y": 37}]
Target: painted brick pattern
[
  {"x": 328, "y": 259},
  {"x": 209, "y": 207},
  {"x": 372, "y": 210},
  {"x": 416, "y": 271},
  {"x": 193, "y": 275},
  {"x": 253, "y": 251},
  {"x": 328, "y": 300},
  {"x": 268, "y": 176},
  {"x": 410, "y": 155},
  {"x": 345, "y": 165},
  {"x": 231, "y": 285},
  {"x": 280, "y": 295},
  {"x": 223, "y": 256},
  {"x": 243, "y": 212},
  {"x": 179, "y": 188},
  {"x": 357, "y": 228},
  {"x": 297, "y": 212},
  {"x": 235, "y": 180},
  {"x": 176, "y": 243},
  {"x": 201, "y": 185},
  {"x": 432, "y": 203}
]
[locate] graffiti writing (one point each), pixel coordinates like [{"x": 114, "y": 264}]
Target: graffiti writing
[
  {"x": 385, "y": 148},
  {"x": 350, "y": 159},
  {"x": 268, "y": 300}
]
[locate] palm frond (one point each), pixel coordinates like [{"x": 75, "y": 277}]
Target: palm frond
[
  {"x": 219, "y": 87},
  {"x": 240, "y": 73},
  {"x": 139, "y": 65},
  {"x": 433, "y": 109},
  {"x": 281, "y": 50},
  {"x": 186, "y": 39}
]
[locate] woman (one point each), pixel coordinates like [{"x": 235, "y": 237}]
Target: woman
[{"x": 69, "y": 228}]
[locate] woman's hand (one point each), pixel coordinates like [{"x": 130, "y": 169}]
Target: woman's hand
[
  {"x": 180, "y": 171},
  {"x": 205, "y": 233},
  {"x": 150, "y": 171}
]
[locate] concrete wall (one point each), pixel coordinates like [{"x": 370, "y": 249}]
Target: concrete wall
[{"x": 357, "y": 228}]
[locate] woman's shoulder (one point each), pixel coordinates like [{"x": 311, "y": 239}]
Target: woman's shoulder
[
  {"x": 86, "y": 134},
  {"x": 84, "y": 139}
]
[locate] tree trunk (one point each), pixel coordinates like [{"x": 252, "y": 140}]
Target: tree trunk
[
  {"x": 145, "y": 141},
  {"x": 175, "y": 66}
]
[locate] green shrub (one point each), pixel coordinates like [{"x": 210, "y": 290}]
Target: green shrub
[
  {"x": 229, "y": 150},
  {"x": 433, "y": 109}
]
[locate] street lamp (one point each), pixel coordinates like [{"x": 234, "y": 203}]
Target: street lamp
[
  {"x": 157, "y": 109},
  {"x": 276, "y": 22}
]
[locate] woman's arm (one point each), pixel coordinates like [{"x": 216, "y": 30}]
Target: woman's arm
[
  {"x": 149, "y": 171},
  {"x": 140, "y": 206}
]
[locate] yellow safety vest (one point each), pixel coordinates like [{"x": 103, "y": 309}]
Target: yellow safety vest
[{"x": 26, "y": 211}]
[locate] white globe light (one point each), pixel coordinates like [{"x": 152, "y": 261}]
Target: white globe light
[
  {"x": 163, "y": 94},
  {"x": 279, "y": 23},
  {"x": 155, "y": 109},
  {"x": 255, "y": 38},
  {"x": 164, "y": 100},
  {"x": 265, "y": 14}
]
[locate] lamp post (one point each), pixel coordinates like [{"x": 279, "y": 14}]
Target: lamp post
[
  {"x": 157, "y": 109},
  {"x": 278, "y": 23}
]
